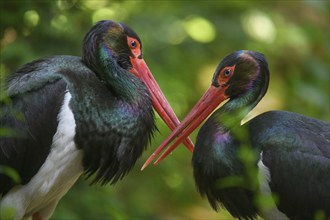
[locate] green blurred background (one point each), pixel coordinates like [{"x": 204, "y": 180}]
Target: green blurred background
[{"x": 183, "y": 41}]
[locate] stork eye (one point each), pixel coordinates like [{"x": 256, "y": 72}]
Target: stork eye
[
  {"x": 133, "y": 44},
  {"x": 227, "y": 72}
]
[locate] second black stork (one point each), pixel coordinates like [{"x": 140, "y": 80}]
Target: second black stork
[
  {"x": 290, "y": 153},
  {"x": 73, "y": 115}
]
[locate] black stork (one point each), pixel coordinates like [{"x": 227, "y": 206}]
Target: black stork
[
  {"x": 291, "y": 164},
  {"x": 73, "y": 115}
]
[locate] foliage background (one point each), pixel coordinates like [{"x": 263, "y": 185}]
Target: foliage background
[{"x": 183, "y": 41}]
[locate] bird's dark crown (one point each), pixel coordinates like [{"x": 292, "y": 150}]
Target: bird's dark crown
[
  {"x": 108, "y": 40},
  {"x": 240, "y": 71}
]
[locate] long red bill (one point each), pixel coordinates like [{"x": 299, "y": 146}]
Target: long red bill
[
  {"x": 203, "y": 108},
  {"x": 160, "y": 103}
]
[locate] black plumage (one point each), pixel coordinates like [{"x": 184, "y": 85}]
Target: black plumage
[
  {"x": 73, "y": 115},
  {"x": 278, "y": 157},
  {"x": 297, "y": 163}
]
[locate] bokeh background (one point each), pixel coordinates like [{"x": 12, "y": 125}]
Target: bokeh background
[{"x": 183, "y": 41}]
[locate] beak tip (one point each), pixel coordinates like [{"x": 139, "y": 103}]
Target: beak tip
[
  {"x": 148, "y": 161},
  {"x": 144, "y": 166}
]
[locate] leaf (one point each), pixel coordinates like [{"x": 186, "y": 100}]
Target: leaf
[{"x": 12, "y": 173}]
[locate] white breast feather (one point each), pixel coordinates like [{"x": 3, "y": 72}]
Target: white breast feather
[
  {"x": 56, "y": 176},
  {"x": 264, "y": 180}
]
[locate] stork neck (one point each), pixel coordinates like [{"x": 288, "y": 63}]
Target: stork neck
[
  {"x": 232, "y": 113},
  {"x": 120, "y": 81}
]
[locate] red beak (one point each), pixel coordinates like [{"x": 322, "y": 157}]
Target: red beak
[
  {"x": 163, "y": 108},
  {"x": 204, "y": 107}
]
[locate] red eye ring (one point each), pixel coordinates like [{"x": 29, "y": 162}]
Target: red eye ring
[
  {"x": 225, "y": 75},
  {"x": 134, "y": 46}
]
